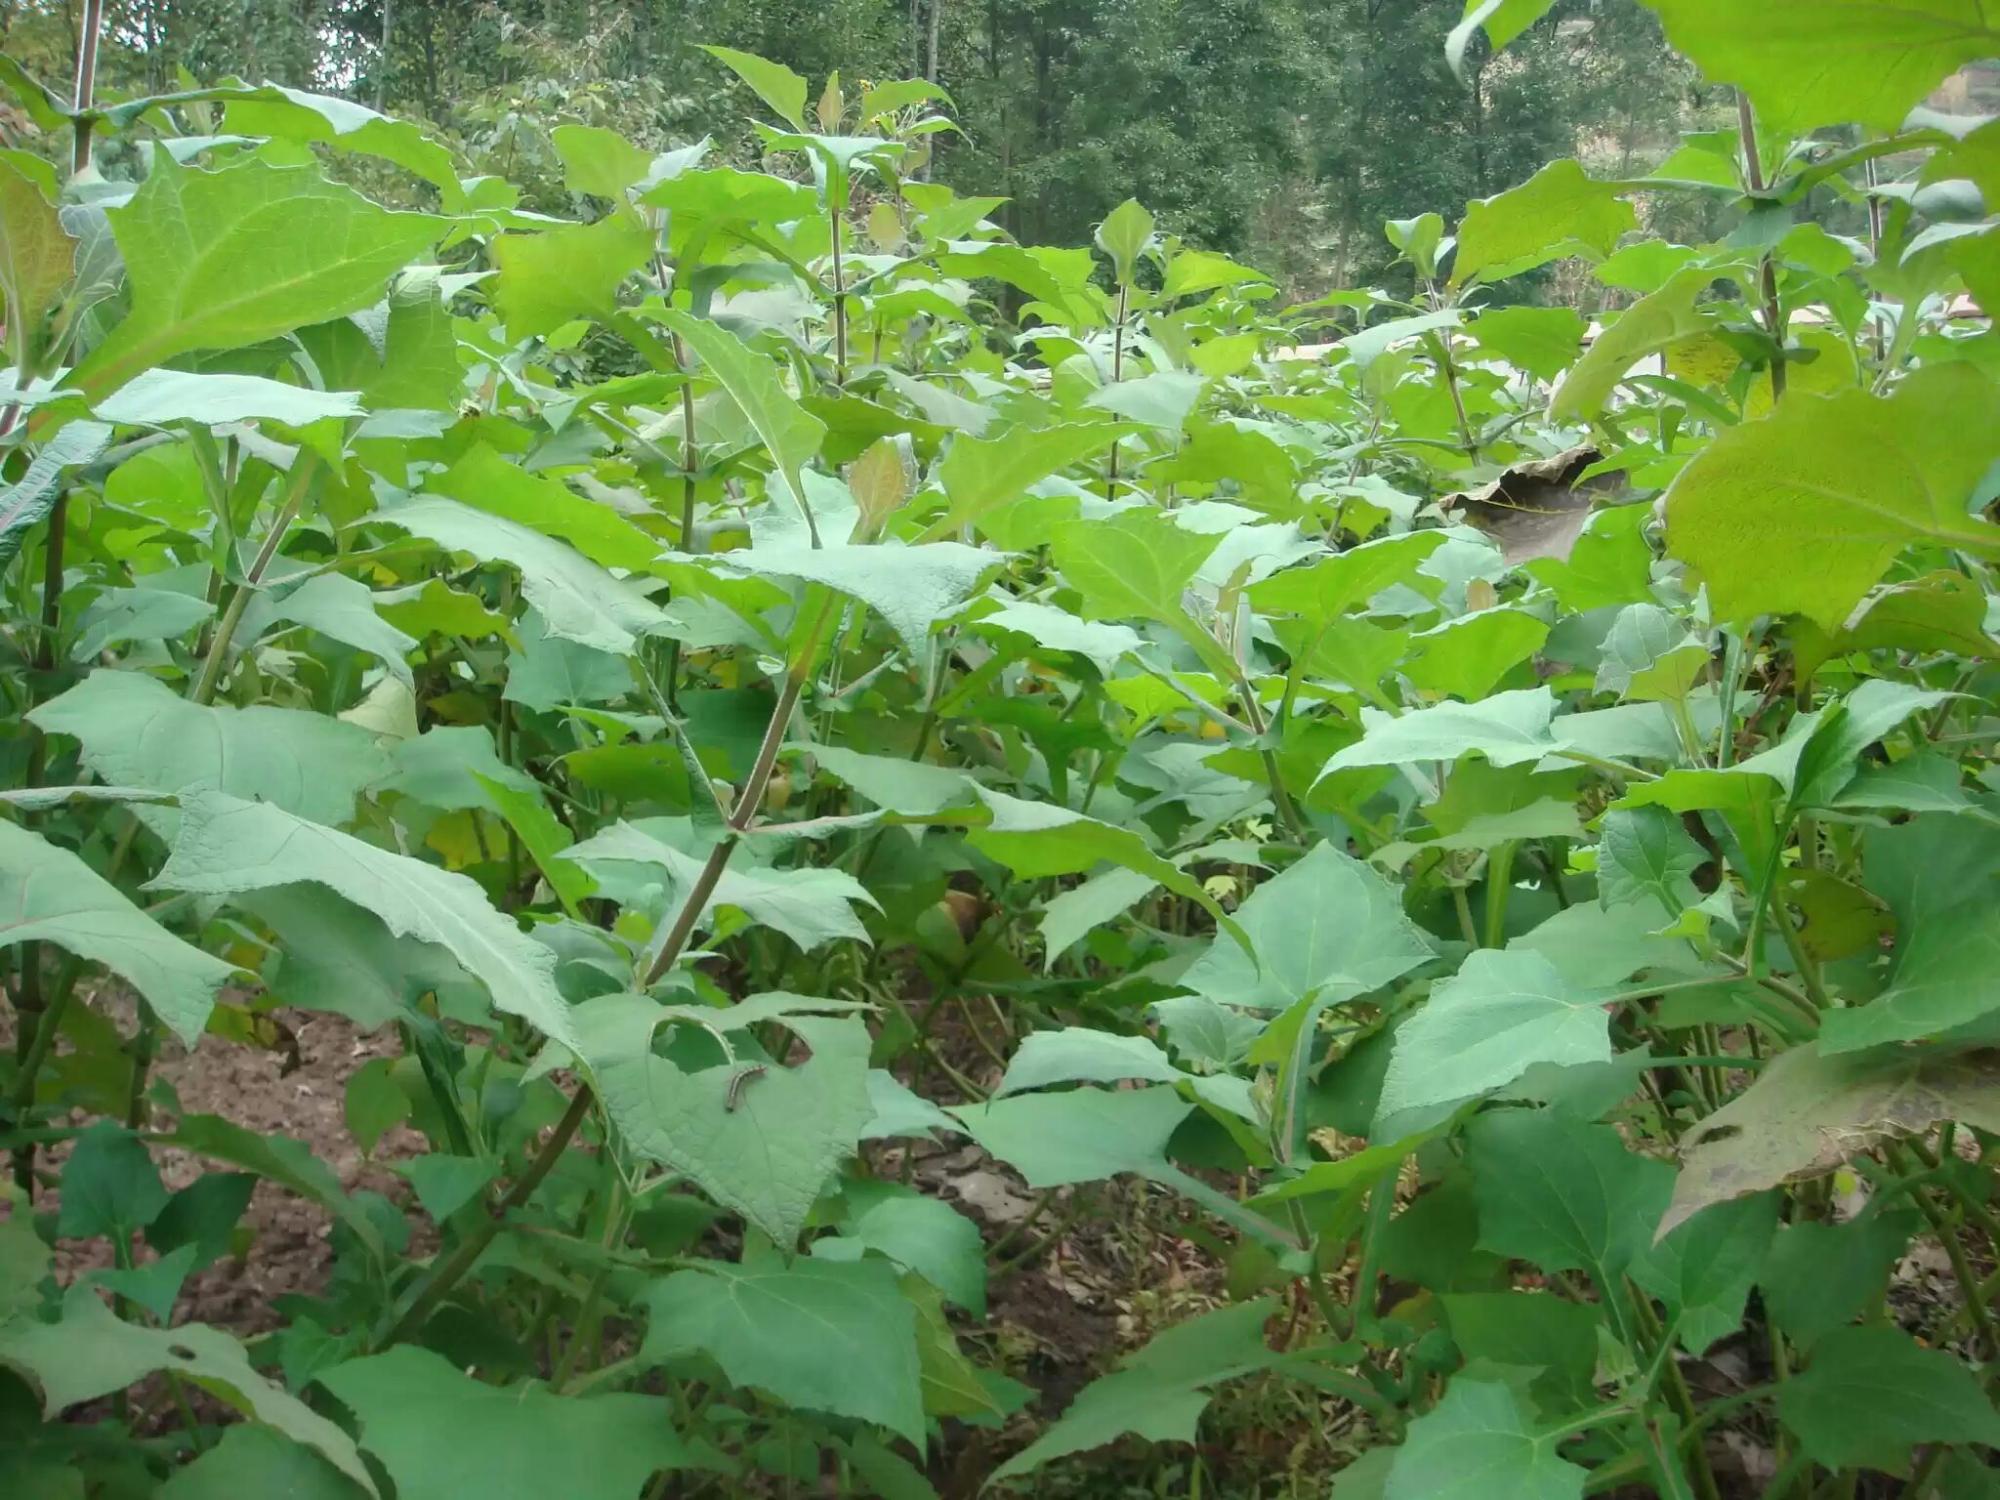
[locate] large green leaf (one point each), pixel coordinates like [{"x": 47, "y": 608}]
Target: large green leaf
[
  {"x": 1159, "y": 1392},
  {"x": 135, "y": 732},
  {"x": 1940, "y": 877},
  {"x": 438, "y": 1431},
  {"x": 774, "y": 83},
  {"x": 1036, "y": 839},
  {"x": 1563, "y": 1194},
  {"x": 1329, "y": 926},
  {"x": 1505, "y": 1011},
  {"x": 228, "y": 846},
  {"x": 256, "y": 1461},
  {"x": 764, "y": 1144},
  {"x": 89, "y": 1354},
  {"x": 1805, "y": 63},
  {"x": 910, "y": 587},
  {"x": 221, "y": 259},
  {"x": 809, "y": 905},
  {"x": 1803, "y": 512},
  {"x": 1807, "y": 1113},
  {"x": 485, "y": 481},
  {"x": 1703, "y": 1270},
  {"x": 564, "y": 272},
  {"x": 1559, "y": 211},
  {"x": 1135, "y": 563},
  {"x": 980, "y": 474},
  {"x": 1479, "y": 1443},
  {"x": 1660, "y": 318},
  {"x": 25, "y": 501},
  {"x": 1872, "y": 1393},
  {"x": 576, "y": 599},
  {"x": 49, "y": 895},
  {"x": 37, "y": 255},
  {"x": 1507, "y": 728},
  {"x": 1503, "y": 20},
  {"x": 790, "y": 432},
  {"x": 820, "y": 1335},
  {"x": 1645, "y": 855}
]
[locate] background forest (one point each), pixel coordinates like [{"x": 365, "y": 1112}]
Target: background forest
[{"x": 1280, "y": 131}]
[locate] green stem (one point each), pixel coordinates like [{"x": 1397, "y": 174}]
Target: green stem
[{"x": 304, "y": 467}]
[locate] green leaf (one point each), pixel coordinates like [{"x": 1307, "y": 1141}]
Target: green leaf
[
  {"x": 1558, "y": 212},
  {"x": 910, "y": 587},
  {"x": 37, "y": 255},
  {"x": 118, "y": 616},
  {"x": 485, "y": 481},
  {"x": 1073, "y": 914},
  {"x": 1703, "y": 1270},
  {"x": 89, "y": 1354},
  {"x": 217, "y": 260},
  {"x": 982, "y": 474},
  {"x": 597, "y": 160},
  {"x": 1330, "y": 927},
  {"x": 1940, "y": 877},
  {"x": 569, "y": 271},
  {"x": 1529, "y": 1331},
  {"x": 1818, "y": 1277},
  {"x": 518, "y": 1442},
  {"x": 1863, "y": 476},
  {"x": 576, "y": 599},
  {"x": 1346, "y": 580},
  {"x": 922, "y": 1234},
  {"x": 810, "y": 905},
  {"x": 25, "y": 502},
  {"x": 1478, "y": 1443},
  {"x": 1084, "y": 1135},
  {"x": 227, "y": 846},
  {"x": 1807, "y": 1113},
  {"x": 1563, "y": 1194},
  {"x": 1135, "y": 563},
  {"x": 1650, "y": 656},
  {"x": 545, "y": 837},
  {"x": 202, "y": 1217},
  {"x": 295, "y": 115},
  {"x": 790, "y": 433},
  {"x": 1501, "y": 1014},
  {"x": 1805, "y": 64},
  {"x": 1645, "y": 855},
  {"x": 1648, "y": 326},
  {"x": 342, "y": 609},
  {"x": 160, "y": 398},
  {"x": 445, "y": 1184},
  {"x": 1467, "y": 657},
  {"x": 1872, "y": 1393},
  {"x": 774, "y": 83},
  {"x": 135, "y": 732},
  {"x": 1124, "y": 235},
  {"x": 256, "y": 1461},
  {"x": 1503, "y": 19},
  {"x": 1541, "y": 340},
  {"x": 109, "y": 1186},
  {"x": 49, "y": 895},
  {"x": 764, "y": 1145},
  {"x": 819, "y": 1335},
  {"x": 906, "y": 786},
  {"x": 1507, "y": 728},
  {"x": 1038, "y": 839},
  {"x": 1160, "y": 1391},
  {"x": 287, "y": 1162},
  {"x": 549, "y": 673}
]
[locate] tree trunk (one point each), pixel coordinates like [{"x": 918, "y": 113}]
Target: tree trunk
[{"x": 382, "y": 64}]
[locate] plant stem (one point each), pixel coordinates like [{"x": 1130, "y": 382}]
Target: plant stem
[
  {"x": 304, "y": 467},
  {"x": 1117, "y": 374},
  {"x": 839, "y": 304},
  {"x": 1753, "y": 175},
  {"x": 444, "y": 1277}
]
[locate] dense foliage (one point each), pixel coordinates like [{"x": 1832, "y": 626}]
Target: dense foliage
[
  {"x": 1477, "y": 841},
  {"x": 1282, "y": 131}
]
